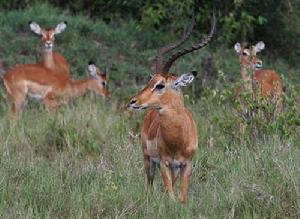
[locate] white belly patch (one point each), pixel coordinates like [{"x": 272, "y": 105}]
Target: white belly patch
[{"x": 35, "y": 96}]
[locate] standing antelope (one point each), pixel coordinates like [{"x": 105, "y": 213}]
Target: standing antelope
[
  {"x": 51, "y": 60},
  {"x": 53, "y": 89},
  {"x": 169, "y": 132},
  {"x": 263, "y": 82}
]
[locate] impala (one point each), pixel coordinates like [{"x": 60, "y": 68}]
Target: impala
[
  {"x": 51, "y": 60},
  {"x": 53, "y": 89},
  {"x": 260, "y": 82},
  {"x": 169, "y": 132}
]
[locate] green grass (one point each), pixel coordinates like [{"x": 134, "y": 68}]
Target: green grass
[{"x": 86, "y": 161}]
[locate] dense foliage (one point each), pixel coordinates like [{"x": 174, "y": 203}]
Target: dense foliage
[{"x": 275, "y": 22}]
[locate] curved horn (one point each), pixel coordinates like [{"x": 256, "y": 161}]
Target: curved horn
[
  {"x": 160, "y": 63},
  {"x": 193, "y": 48}
]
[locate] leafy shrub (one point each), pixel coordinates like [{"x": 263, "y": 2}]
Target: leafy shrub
[{"x": 248, "y": 21}]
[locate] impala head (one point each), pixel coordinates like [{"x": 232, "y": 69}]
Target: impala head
[
  {"x": 99, "y": 80},
  {"x": 48, "y": 34},
  {"x": 248, "y": 58},
  {"x": 161, "y": 89}
]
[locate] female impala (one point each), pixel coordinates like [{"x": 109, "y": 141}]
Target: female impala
[
  {"x": 264, "y": 82},
  {"x": 169, "y": 132},
  {"x": 55, "y": 90},
  {"x": 51, "y": 60}
]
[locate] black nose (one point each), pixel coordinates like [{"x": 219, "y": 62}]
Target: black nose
[
  {"x": 194, "y": 72},
  {"x": 133, "y": 101}
]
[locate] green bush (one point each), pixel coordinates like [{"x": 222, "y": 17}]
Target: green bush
[{"x": 248, "y": 21}]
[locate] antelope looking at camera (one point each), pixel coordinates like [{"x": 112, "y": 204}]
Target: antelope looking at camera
[
  {"x": 51, "y": 60},
  {"x": 262, "y": 83},
  {"x": 169, "y": 132},
  {"x": 21, "y": 82}
]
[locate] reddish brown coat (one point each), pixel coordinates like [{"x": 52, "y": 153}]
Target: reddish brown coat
[
  {"x": 36, "y": 81},
  {"x": 267, "y": 82},
  {"x": 169, "y": 134}
]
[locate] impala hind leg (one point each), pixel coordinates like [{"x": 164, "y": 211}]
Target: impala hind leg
[
  {"x": 150, "y": 167},
  {"x": 185, "y": 174},
  {"x": 175, "y": 173},
  {"x": 166, "y": 175}
]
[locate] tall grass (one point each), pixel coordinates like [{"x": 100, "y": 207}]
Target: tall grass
[{"x": 85, "y": 160}]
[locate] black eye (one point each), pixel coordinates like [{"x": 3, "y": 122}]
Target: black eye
[
  {"x": 245, "y": 54},
  {"x": 159, "y": 86},
  {"x": 103, "y": 83}
]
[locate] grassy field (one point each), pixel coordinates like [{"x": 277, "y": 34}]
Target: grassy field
[{"x": 85, "y": 160}]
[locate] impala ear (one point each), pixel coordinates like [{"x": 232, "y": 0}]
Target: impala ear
[
  {"x": 184, "y": 79},
  {"x": 92, "y": 69},
  {"x": 35, "y": 27},
  {"x": 238, "y": 47},
  {"x": 259, "y": 46},
  {"x": 60, "y": 27}
]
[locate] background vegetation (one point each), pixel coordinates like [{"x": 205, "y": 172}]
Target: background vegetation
[
  {"x": 238, "y": 20},
  {"x": 85, "y": 160}
]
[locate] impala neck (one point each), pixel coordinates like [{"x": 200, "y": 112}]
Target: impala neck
[
  {"x": 246, "y": 74},
  {"x": 79, "y": 87},
  {"x": 48, "y": 59},
  {"x": 174, "y": 122},
  {"x": 172, "y": 109}
]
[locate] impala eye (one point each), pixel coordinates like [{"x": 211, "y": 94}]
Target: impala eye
[
  {"x": 159, "y": 87},
  {"x": 245, "y": 54},
  {"x": 103, "y": 83}
]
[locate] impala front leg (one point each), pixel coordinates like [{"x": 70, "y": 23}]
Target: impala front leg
[
  {"x": 185, "y": 174},
  {"x": 16, "y": 105},
  {"x": 149, "y": 169},
  {"x": 166, "y": 175}
]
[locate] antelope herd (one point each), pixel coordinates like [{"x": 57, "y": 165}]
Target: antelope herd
[
  {"x": 50, "y": 79},
  {"x": 169, "y": 133}
]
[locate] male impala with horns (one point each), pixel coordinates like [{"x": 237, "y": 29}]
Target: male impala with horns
[{"x": 169, "y": 132}]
